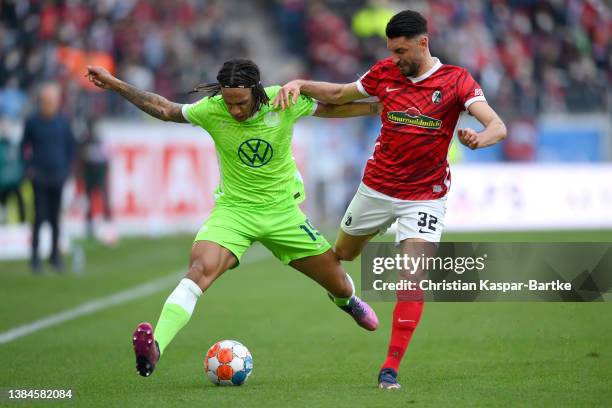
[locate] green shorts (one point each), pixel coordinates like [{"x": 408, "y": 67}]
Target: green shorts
[{"x": 286, "y": 232}]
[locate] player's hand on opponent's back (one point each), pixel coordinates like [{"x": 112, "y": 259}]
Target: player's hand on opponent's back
[
  {"x": 287, "y": 95},
  {"x": 100, "y": 77},
  {"x": 469, "y": 137}
]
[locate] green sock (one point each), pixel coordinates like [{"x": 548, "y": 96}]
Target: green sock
[
  {"x": 341, "y": 302},
  {"x": 176, "y": 312},
  {"x": 171, "y": 320}
]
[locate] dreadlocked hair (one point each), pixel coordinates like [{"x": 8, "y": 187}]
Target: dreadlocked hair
[{"x": 237, "y": 73}]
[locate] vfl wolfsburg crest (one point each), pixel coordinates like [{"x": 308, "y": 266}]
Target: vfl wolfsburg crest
[
  {"x": 272, "y": 119},
  {"x": 436, "y": 96},
  {"x": 255, "y": 152},
  {"x": 413, "y": 116}
]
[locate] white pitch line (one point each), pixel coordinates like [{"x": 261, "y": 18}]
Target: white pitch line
[{"x": 93, "y": 306}]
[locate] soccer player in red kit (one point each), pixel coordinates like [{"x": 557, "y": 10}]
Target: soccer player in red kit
[{"x": 408, "y": 176}]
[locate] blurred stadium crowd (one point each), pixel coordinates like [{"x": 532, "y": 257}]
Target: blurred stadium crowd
[
  {"x": 532, "y": 58},
  {"x": 529, "y": 56},
  {"x": 163, "y": 46}
]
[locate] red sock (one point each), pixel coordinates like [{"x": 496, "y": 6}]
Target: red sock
[{"x": 406, "y": 317}]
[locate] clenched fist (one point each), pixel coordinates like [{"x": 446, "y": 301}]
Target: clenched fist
[
  {"x": 100, "y": 77},
  {"x": 469, "y": 138}
]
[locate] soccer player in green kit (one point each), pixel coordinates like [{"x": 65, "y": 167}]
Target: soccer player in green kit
[{"x": 257, "y": 199}]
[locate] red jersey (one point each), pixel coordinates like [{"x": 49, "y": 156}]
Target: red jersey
[{"x": 419, "y": 118}]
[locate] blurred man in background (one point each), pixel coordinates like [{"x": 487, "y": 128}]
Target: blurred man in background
[
  {"x": 93, "y": 166},
  {"x": 11, "y": 172},
  {"x": 47, "y": 148},
  {"x": 408, "y": 176}
]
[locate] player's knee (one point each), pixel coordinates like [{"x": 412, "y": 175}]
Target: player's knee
[{"x": 345, "y": 254}]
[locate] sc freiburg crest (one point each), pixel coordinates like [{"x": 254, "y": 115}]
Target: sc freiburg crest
[{"x": 436, "y": 97}]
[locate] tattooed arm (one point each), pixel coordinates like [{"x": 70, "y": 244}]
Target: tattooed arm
[{"x": 153, "y": 104}]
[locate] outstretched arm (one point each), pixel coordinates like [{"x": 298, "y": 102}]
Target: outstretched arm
[
  {"x": 336, "y": 94},
  {"x": 153, "y": 104},
  {"x": 494, "y": 131},
  {"x": 348, "y": 110}
]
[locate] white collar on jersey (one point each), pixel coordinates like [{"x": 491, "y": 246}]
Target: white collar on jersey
[{"x": 429, "y": 73}]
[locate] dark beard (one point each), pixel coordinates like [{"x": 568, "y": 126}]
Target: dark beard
[{"x": 411, "y": 69}]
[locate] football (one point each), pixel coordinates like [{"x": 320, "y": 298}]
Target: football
[{"x": 228, "y": 362}]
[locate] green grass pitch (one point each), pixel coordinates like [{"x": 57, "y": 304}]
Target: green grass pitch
[{"x": 306, "y": 352}]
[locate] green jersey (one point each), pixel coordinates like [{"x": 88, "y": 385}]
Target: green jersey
[{"x": 256, "y": 165}]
